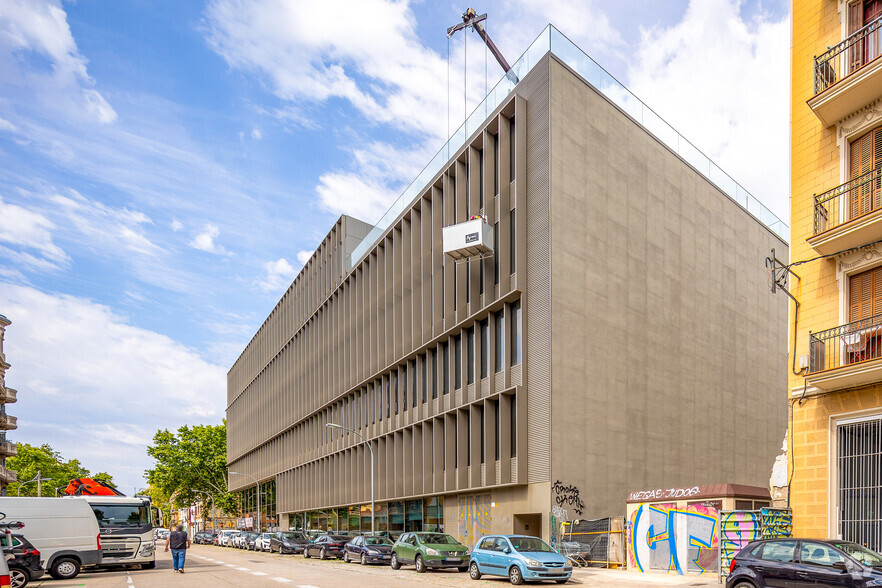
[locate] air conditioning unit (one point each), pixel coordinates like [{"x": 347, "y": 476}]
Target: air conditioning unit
[{"x": 473, "y": 238}]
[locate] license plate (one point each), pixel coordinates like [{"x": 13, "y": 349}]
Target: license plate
[
  {"x": 456, "y": 559},
  {"x": 385, "y": 556}
]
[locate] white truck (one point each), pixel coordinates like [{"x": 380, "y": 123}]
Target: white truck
[
  {"x": 126, "y": 530},
  {"x": 64, "y": 530}
]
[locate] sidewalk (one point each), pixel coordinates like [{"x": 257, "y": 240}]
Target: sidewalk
[{"x": 604, "y": 577}]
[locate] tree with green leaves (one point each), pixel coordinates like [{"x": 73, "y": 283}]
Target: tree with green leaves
[
  {"x": 191, "y": 466},
  {"x": 50, "y": 463}
]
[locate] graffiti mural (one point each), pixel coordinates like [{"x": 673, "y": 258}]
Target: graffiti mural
[
  {"x": 674, "y": 539},
  {"x": 740, "y": 527},
  {"x": 737, "y": 529},
  {"x": 567, "y": 496},
  {"x": 777, "y": 522},
  {"x": 474, "y": 518}
]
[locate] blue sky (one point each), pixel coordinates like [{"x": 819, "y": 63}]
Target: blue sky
[{"x": 167, "y": 167}]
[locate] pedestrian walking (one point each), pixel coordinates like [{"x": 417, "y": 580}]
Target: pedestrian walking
[{"x": 179, "y": 543}]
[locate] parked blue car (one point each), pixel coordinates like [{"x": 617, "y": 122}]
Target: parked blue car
[{"x": 521, "y": 558}]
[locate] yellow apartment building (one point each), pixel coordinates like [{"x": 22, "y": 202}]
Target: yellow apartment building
[{"x": 835, "y": 388}]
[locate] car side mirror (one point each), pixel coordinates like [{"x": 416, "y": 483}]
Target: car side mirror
[
  {"x": 506, "y": 550},
  {"x": 840, "y": 565}
]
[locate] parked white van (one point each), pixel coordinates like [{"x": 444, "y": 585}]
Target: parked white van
[{"x": 64, "y": 530}]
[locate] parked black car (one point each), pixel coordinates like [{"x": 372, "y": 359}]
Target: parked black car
[
  {"x": 288, "y": 542},
  {"x": 326, "y": 546},
  {"x": 798, "y": 562},
  {"x": 26, "y": 565},
  {"x": 248, "y": 542},
  {"x": 368, "y": 549},
  {"x": 205, "y": 538}
]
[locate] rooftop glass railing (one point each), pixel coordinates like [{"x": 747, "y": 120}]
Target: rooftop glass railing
[{"x": 554, "y": 41}]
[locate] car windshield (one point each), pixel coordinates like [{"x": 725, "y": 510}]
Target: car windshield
[
  {"x": 868, "y": 557},
  {"x": 376, "y": 541},
  {"x": 438, "y": 538},
  {"x": 530, "y": 544}
]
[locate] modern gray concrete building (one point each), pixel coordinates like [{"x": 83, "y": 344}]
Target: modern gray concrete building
[{"x": 622, "y": 336}]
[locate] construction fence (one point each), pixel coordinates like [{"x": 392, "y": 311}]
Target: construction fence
[{"x": 598, "y": 542}]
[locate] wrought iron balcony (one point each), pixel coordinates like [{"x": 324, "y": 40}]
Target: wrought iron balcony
[
  {"x": 7, "y": 423},
  {"x": 848, "y": 76},
  {"x": 845, "y": 345},
  {"x": 851, "y": 200},
  {"x": 847, "y": 57}
]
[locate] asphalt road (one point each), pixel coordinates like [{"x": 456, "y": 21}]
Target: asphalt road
[{"x": 209, "y": 566}]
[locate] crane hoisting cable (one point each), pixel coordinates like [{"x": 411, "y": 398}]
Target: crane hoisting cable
[{"x": 471, "y": 19}]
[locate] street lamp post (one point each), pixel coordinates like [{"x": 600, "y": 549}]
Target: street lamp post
[
  {"x": 258, "y": 495},
  {"x": 371, "y": 449},
  {"x": 36, "y": 479}
]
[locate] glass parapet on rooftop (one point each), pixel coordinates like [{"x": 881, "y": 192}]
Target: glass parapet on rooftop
[{"x": 554, "y": 41}]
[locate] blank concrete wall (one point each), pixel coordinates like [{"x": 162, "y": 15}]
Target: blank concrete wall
[{"x": 669, "y": 352}]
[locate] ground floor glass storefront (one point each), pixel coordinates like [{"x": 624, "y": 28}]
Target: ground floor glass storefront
[{"x": 393, "y": 517}]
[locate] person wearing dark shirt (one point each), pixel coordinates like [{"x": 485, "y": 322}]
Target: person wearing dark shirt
[{"x": 178, "y": 542}]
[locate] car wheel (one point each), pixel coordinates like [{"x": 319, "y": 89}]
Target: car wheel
[
  {"x": 65, "y": 568},
  {"x": 18, "y": 577},
  {"x": 148, "y": 565},
  {"x": 396, "y": 565},
  {"x": 562, "y": 581},
  {"x": 744, "y": 584},
  {"x": 306, "y": 553},
  {"x": 514, "y": 575},
  {"x": 323, "y": 554},
  {"x": 363, "y": 559},
  {"x": 419, "y": 564},
  {"x": 474, "y": 572}
]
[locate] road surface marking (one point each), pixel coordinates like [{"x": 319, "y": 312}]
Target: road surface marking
[
  {"x": 258, "y": 573},
  {"x": 282, "y": 580},
  {"x": 306, "y": 586},
  {"x": 230, "y": 565},
  {"x": 243, "y": 569}
]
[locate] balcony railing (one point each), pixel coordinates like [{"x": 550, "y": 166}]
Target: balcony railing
[
  {"x": 8, "y": 449},
  {"x": 8, "y": 422},
  {"x": 8, "y": 476},
  {"x": 8, "y": 395},
  {"x": 846, "y": 345},
  {"x": 851, "y": 200},
  {"x": 845, "y": 58}
]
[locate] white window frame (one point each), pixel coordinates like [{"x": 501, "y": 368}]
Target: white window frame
[{"x": 835, "y": 420}]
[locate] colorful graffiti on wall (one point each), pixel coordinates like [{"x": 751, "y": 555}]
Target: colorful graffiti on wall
[
  {"x": 777, "y": 522},
  {"x": 674, "y": 539},
  {"x": 474, "y": 518},
  {"x": 740, "y": 527},
  {"x": 737, "y": 529}
]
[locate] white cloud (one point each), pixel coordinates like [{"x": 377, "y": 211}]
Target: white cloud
[
  {"x": 256, "y": 134},
  {"x": 723, "y": 82},
  {"x": 119, "y": 228},
  {"x": 40, "y": 27},
  {"x": 204, "y": 240},
  {"x": 278, "y": 275},
  {"x": 5, "y": 125},
  {"x": 304, "y": 256},
  {"x": 362, "y": 51},
  {"x": 29, "y": 230},
  {"x": 80, "y": 367},
  {"x": 176, "y": 225}
]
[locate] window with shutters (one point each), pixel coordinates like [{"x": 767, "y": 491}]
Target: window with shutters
[
  {"x": 867, "y": 46},
  {"x": 862, "y": 339},
  {"x": 865, "y": 156}
]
